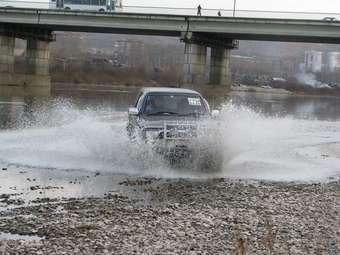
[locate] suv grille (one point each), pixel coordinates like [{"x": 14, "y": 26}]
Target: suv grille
[{"x": 180, "y": 131}]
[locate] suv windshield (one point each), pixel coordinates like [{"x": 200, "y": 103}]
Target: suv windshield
[{"x": 174, "y": 104}]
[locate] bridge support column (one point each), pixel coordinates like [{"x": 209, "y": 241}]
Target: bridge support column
[
  {"x": 7, "y": 45},
  {"x": 220, "y": 67},
  {"x": 195, "y": 60},
  {"x": 194, "y": 64},
  {"x": 37, "y": 65}
]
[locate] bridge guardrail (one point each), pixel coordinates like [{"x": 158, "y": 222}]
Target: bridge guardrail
[{"x": 331, "y": 17}]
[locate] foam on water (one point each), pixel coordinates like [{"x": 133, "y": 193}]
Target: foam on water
[
  {"x": 253, "y": 146},
  {"x": 276, "y": 148}
]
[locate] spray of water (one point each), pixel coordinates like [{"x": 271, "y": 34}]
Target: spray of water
[
  {"x": 309, "y": 79},
  {"x": 61, "y": 136}
]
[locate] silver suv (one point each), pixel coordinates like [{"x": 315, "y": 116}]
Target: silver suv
[{"x": 168, "y": 118}]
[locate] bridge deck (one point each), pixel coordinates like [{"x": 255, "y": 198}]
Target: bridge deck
[{"x": 173, "y": 25}]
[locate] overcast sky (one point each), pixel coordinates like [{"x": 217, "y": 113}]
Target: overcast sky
[{"x": 277, "y": 5}]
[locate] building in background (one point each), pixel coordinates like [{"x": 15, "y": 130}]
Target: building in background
[
  {"x": 333, "y": 61},
  {"x": 313, "y": 61}
]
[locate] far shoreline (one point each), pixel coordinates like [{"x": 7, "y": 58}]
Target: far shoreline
[{"x": 121, "y": 88}]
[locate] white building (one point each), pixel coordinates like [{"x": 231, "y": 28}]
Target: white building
[
  {"x": 333, "y": 61},
  {"x": 313, "y": 61}
]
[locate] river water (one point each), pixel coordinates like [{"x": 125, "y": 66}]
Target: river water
[{"x": 75, "y": 135}]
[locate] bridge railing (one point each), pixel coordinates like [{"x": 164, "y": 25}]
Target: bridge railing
[
  {"x": 235, "y": 13},
  {"x": 41, "y": 4}
]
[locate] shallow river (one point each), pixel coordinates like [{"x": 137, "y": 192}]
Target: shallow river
[{"x": 74, "y": 143}]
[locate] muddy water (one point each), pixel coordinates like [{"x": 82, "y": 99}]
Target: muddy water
[
  {"x": 7, "y": 236},
  {"x": 73, "y": 144}
]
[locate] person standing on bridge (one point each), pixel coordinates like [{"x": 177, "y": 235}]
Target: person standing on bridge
[
  {"x": 199, "y": 9},
  {"x": 219, "y": 14}
]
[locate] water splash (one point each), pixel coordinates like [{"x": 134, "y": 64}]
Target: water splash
[
  {"x": 59, "y": 135},
  {"x": 275, "y": 147},
  {"x": 309, "y": 79}
]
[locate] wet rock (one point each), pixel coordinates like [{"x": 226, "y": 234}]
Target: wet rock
[
  {"x": 5, "y": 196},
  {"x": 137, "y": 182},
  {"x": 186, "y": 217},
  {"x": 44, "y": 200},
  {"x": 13, "y": 201}
]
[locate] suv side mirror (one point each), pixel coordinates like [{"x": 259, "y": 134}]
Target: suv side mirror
[
  {"x": 133, "y": 111},
  {"x": 215, "y": 113}
]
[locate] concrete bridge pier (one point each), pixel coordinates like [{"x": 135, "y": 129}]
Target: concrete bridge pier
[
  {"x": 220, "y": 66},
  {"x": 194, "y": 63},
  {"x": 7, "y": 44},
  {"x": 34, "y": 80},
  {"x": 195, "y": 68},
  {"x": 37, "y": 66}
]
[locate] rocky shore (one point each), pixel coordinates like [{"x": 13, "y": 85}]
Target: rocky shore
[{"x": 215, "y": 216}]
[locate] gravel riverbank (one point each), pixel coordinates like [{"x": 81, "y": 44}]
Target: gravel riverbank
[{"x": 216, "y": 216}]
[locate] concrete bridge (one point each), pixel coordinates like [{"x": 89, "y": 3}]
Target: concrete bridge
[{"x": 197, "y": 32}]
